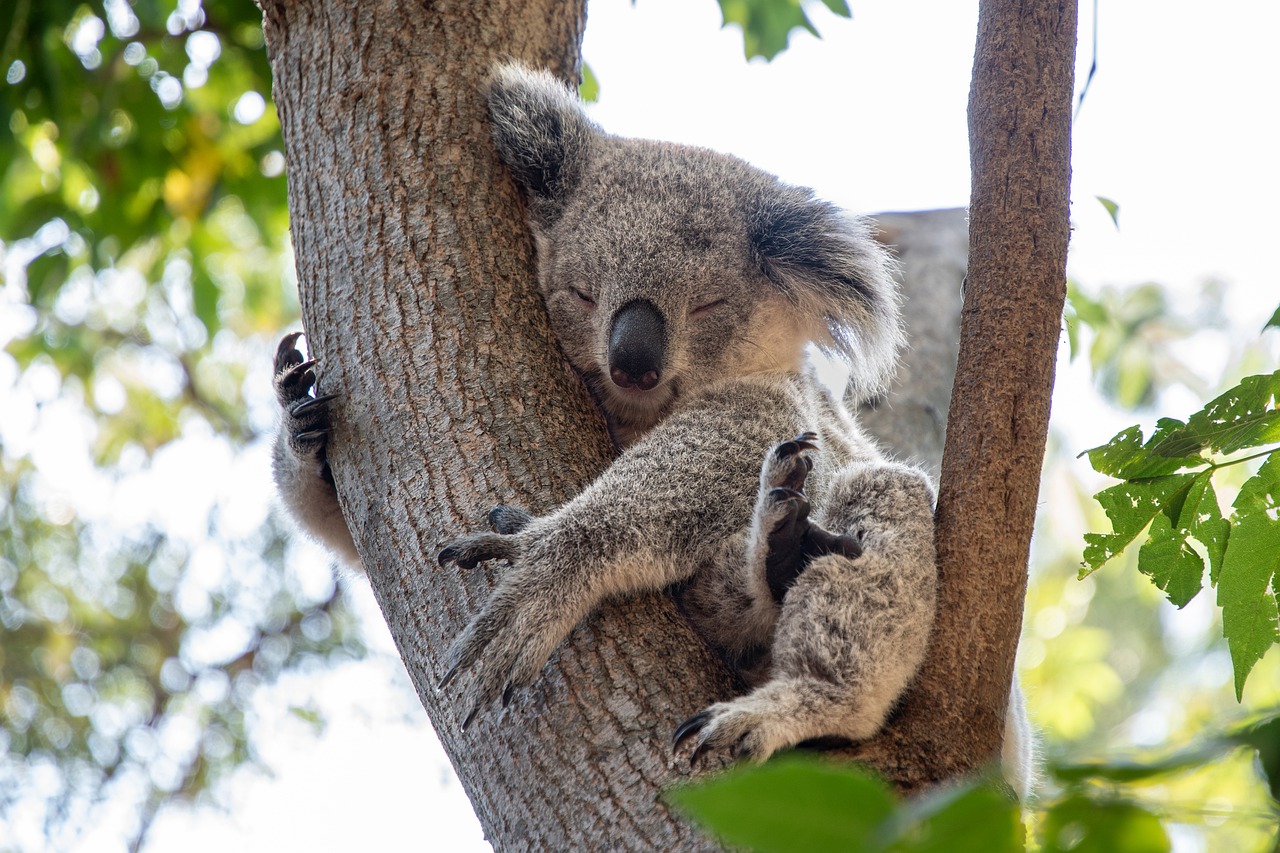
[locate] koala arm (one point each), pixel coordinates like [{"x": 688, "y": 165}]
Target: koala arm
[
  {"x": 301, "y": 469},
  {"x": 666, "y": 505}
]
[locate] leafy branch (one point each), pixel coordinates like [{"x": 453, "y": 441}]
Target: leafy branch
[{"x": 1167, "y": 491}]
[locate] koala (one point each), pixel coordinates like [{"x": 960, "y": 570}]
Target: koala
[{"x": 690, "y": 290}]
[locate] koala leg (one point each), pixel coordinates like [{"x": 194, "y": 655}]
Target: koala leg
[
  {"x": 736, "y": 598},
  {"x": 299, "y": 462},
  {"x": 783, "y": 539},
  {"x": 851, "y": 633}
]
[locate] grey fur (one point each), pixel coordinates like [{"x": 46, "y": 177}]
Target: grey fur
[{"x": 745, "y": 274}]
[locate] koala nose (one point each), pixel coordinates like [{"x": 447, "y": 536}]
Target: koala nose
[{"x": 637, "y": 345}]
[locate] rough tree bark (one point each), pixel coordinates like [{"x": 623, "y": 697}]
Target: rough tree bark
[{"x": 414, "y": 268}]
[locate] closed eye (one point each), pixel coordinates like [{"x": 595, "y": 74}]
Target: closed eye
[
  {"x": 707, "y": 308},
  {"x": 584, "y": 298}
]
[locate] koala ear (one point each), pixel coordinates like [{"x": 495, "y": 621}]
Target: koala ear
[
  {"x": 542, "y": 134},
  {"x": 831, "y": 267}
]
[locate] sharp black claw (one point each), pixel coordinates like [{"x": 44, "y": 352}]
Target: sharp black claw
[
  {"x": 313, "y": 403},
  {"x": 446, "y": 554},
  {"x": 507, "y": 693},
  {"x": 304, "y": 366},
  {"x": 786, "y": 448},
  {"x": 698, "y": 752},
  {"x": 689, "y": 727},
  {"x": 448, "y": 677},
  {"x": 311, "y": 435},
  {"x": 475, "y": 709}
]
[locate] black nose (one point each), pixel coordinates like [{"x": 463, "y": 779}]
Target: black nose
[{"x": 637, "y": 345}]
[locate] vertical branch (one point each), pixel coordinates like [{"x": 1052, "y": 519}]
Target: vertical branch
[
  {"x": 1020, "y": 144},
  {"x": 1020, "y": 139}
]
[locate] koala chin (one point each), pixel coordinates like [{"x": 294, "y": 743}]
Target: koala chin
[{"x": 687, "y": 287}]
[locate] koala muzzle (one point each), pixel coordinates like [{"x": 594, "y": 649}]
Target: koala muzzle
[{"x": 637, "y": 345}]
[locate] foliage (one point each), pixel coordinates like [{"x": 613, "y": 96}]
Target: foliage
[
  {"x": 794, "y": 804},
  {"x": 143, "y": 232},
  {"x": 767, "y": 24},
  {"x": 1134, "y": 329},
  {"x": 1167, "y": 490}
]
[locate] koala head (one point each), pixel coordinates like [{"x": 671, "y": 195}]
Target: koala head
[{"x": 666, "y": 267}]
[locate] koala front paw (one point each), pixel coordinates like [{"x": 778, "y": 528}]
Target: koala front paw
[
  {"x": 305, "y": 419},
  {"x": 520, "y": 625},
  {"x": 790, "y": 539}
]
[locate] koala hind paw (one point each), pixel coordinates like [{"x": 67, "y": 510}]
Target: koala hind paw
[
  {"x": 748, "y": 733},
  {"x": 306, "y": 418}
]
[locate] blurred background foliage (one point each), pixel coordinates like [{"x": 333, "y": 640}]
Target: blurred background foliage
[
  {"x": 144, "y": 263},
  {"x": 147, "y": 591}
]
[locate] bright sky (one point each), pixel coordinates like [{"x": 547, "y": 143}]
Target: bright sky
[{"x": 1179, "y": 128}]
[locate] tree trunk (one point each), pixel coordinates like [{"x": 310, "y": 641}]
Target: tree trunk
[
  {"x": 1020, "y": 140},
  {"x": 415, "y": 273}
]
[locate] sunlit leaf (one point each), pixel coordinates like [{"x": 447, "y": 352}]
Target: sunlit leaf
[
  {"x": 1261, "y": 492},
  {"x": 1274, "y": 321},
  {"x": 788, "y": 806},
  {"x": 767, "y": 24},
  {"x": 1125, "y": 456},
  {"x": 1082, "y": 825},
  {"x": 1131, "y": 506},
  {"x": 1113, "y": 209},
  {"x": 1247, "y": 592},
  {"x": 1243, "y": 417}
]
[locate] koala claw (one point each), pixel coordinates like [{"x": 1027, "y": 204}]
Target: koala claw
[
  {"x": 471, "y": 715},
  {"x": 689, "y": 728},
  {"x": 448, "y": 677},
  {"x": 470, "y": 551},
  {"x": 309, "y": 403},
  {"x": 724, "y": 726}
]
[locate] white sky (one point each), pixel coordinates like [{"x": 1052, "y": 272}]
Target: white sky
[{"x": 1180, "y": 128}]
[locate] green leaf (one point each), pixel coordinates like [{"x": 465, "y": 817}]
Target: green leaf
[
  {"x": 1131, "y": 506},
  {"x": 1197, "y": 514},
  {"x": 1129, "y": 770},
  {"x": 788, "y": 805},
  {"x": 767, "y": 24},
  {"x": 1265, "y": 738},
  {"x": 1170, "y": 563},
  {"x": 1126, "y": 457},
  {"x": 969, "y": 819},
  {"x": 1274, "y": 321},
  {"x": 1261, "y": 492},
  {"x": 1246, "y": 592},
  {"x": 589, "y": 91},
  {"x": 1082, "y": 825},
  {"x": 1113, "y": 209},
  {"x": 1244, "y": 416}
]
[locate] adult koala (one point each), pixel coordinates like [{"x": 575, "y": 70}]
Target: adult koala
[{"x": 688, "y": 288}]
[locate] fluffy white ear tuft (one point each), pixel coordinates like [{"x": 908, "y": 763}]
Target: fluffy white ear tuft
[
  {"x": 541, "y": 133},
  {"x": 829, "y": 264}
]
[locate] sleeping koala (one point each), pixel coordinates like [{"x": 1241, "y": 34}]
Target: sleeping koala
[{"x": 688, "y": 289}]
